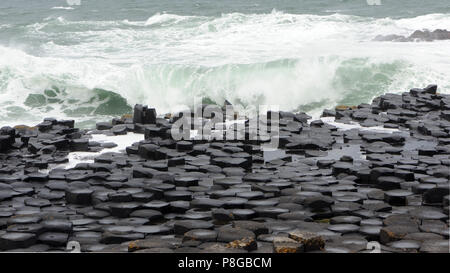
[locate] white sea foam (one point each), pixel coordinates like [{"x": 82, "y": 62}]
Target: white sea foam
[
  {"x": 122, "y": 142},
  {"x": 159, "y": 18},
  {"x": 277, "y": 58},
  {"x": 355, "y": 125},
  {"x": 64, "y": 8}
]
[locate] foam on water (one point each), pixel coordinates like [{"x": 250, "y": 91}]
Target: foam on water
[
  {"x": 297, "y": 61},
  {"x": 64, "y": 8},
  {"x": 355, "y": 125},
  {"x": 122, "y": 142}
]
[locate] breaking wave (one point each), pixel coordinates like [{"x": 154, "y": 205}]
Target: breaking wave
[{"x": 93, "y": 70}]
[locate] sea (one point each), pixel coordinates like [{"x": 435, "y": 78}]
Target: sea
[{"x": 92, "y": 60}]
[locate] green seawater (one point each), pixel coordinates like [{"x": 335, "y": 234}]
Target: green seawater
[{"x": 92, "y": 62}]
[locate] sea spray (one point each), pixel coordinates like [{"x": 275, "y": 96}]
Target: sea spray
[{"x": 301, "y": 62}]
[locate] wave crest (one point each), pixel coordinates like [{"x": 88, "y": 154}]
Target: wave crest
[{"x": 297, "y": 61}]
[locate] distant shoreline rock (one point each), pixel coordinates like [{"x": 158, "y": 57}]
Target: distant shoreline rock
[{"x": 416, "y": 36}]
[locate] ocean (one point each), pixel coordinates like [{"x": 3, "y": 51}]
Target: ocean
[{"x": 91, "y": 60}]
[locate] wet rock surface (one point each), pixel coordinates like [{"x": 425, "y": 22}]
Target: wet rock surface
[
  {"x": 374, "y": 172},
  {"x": 418, "y": 35}
]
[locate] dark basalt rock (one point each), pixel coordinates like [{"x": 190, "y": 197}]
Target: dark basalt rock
[
  {"x": 251, "y": 195},
  {"x": 82, "y": 222},
  {"x": 371, "y": 232},
  {"x": 229, "y": 234},
  {"x": 405, "y": 245},
  {"x": 81, "y": 144},
  {"x": 120, "y": 129},
  {"x": 54, "y": 238},
  {"x": 184, "y": 145},
  {"x": 347, "y": 187},
  {"x": 7, "y": 194},
  {"x": 103, "y": 125},
  {"x": 423, "y": 236},
  {"x": 446, "y": 201},
  {"x": 354, "y": 243},
  {"x": 176, "y": 161},
  {"x": 79, "y": 196},
  {"x": 153, "y": 229},
  {"x": 23, "y": 218},
  {"x": 400, "y": 219},
  {"x": 395, "y": 233},
  {"x": 120, "y": 197},
  {"x": 225, "y": 162},
  {"x": 178, "y": 195},
  {"x": 117, "y": 238},
  {"x": 222, "y": 215},
  {"x": 435, "y": 246},
  {"x": 197, "y": 214},
  {"x": 297, "y": 215},
  {"x": 345, "y": 220},
  {"x": 343, "y": 228},
  {"x": 154, "y": 243},
  {"x": 310, "y": 240},
  {"x": 27, "y": 228},
  {"x": 144, "y": 115},
  {"x": 309, "y": 144},
  {"x": 87, "y": 237},
  {"x": 427, "y": 213},
  {"x": 57, "y": 225},
  {"x": 248, "y": 244},
  {"x": 203, "y": 235},
  {"x": 14, "y": 240},
  {"x": 261, "y": 203},
  {"x": 36, "y": 177},
  {"x": 256, "y": 227},
  {"x": 183, "y": 226},
  {"x": 418, "y": 35},
  {"x": 389, "y": 182},
  {"x": 179, "y": 206},
  {"x": 123, "y": 210},
  {"x": 318, "y": 202},
  {"x": 434, "y": 226},
  {"x": 185, "y": 181},
  {"x": 243, "y": 214},
  {"x": 148, "y": 214},
  {"x": 108, "y": 145},
  {"x": 435, "y": 195},
  {"x": 206, "y": 203},
  {"x": 287, "y": 245},
  {"x": 148, "y": 151},
  {"x": 270, "y": 212},
  {"x": 153, "y": 131},
  {"x": 32, "y": 249},
  {"x": 397, "y": 197}
]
